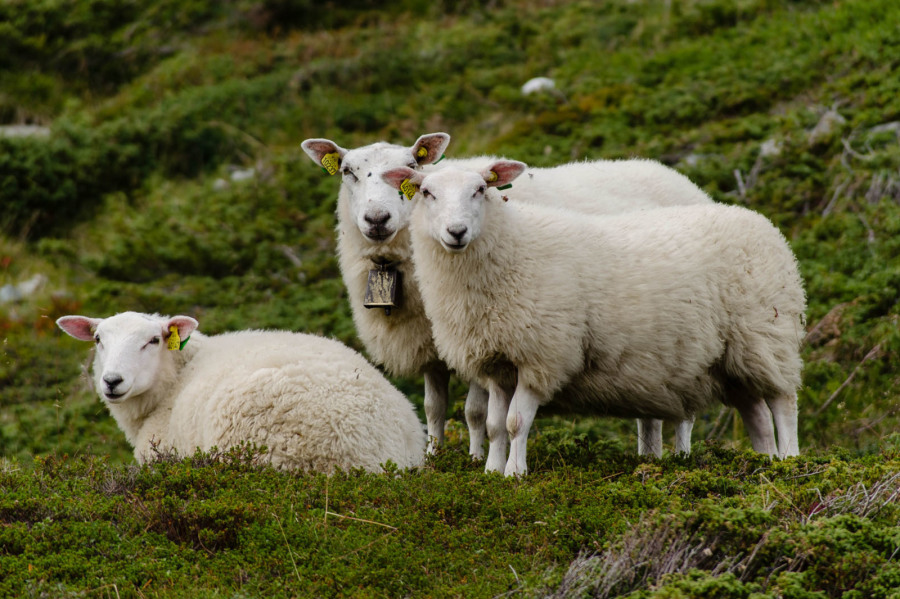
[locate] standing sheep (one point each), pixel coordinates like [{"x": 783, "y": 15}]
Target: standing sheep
[
  {"x": 314, "y": 402},
  {"x": 645, "y": 315},
  {"x": 373, "y": 236}
]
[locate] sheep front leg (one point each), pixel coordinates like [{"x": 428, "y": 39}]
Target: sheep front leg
[
  {"x": 498, "y": 408},
  {"x": 476, "y": 416},
  {"x": 784, "y": 412},
  {"x": 437, "y": 380},
  {"x": 649, "y": 437},
  {"x": 683, "y": 435},
  {"x": 519, "y": 419}
]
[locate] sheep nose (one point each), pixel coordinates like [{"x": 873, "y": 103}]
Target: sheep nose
[
  {"x": 378, "y": 217},
  {"x": 457, "y": 231},
  {"x": 112, "y": 381}
]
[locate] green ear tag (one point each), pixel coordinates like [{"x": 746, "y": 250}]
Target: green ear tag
[
  {"x": 439, "y": 159},
  {"x": 174, "y": 341},
  {"x": 331, "y": 162},
  {"x": 408, "y": 189},
  {"x": 507, "y": 186}
]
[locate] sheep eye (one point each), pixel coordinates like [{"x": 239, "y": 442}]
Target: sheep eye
[
  {"x": 427, "y": 194},
  {"x": 480, "y": 189},
  {"x": 97, "y": 339},
  {"x": 346, "y": 172},
  {"x": 154, "y": 341}
]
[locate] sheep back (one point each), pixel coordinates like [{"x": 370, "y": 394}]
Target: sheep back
[{"x": 315, "y": 403}]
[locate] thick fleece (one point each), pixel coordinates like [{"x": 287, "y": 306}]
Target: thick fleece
[
  {"x": 372, "y": 229},
  {"x": 315, "y": 403},
  {"x": 647, "y": 315}
]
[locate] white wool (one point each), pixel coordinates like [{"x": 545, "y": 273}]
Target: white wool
[
  {"x": 648, "y": 315},
  {"x": 314, "y": 402},
  {"x": 402, "y": 341}
]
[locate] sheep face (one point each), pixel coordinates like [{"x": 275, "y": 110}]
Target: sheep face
[
  {"x": 453, "y": 199},
  {"x": 377, "y": 209},
  {"x": 130, "y": 349}
]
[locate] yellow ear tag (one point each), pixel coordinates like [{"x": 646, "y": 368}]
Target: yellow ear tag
[
  {"x": 408, "y": 189},
  {"x": 331, "y": 162},
  {"x": 422, "y": 152},
  {"x": 174, "y": 340},
  {"x": 492, "y": 177}
]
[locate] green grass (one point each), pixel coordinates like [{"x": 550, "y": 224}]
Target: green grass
[{"x": 149, "y": 104}]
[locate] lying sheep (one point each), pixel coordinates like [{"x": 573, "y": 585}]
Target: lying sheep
[
  {"x": 646, "y": 315},
  {"x": 373, "y": 235},
  {"x": 313, "y": 402}
]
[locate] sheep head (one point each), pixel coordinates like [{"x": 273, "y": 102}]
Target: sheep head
[
  {"x": 130, "y": 349},
  {"x": 378, "y": 211},
  {"x": 453, "y": 199}
]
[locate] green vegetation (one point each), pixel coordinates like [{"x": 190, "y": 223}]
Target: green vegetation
[{"x": 129, "y": 204}]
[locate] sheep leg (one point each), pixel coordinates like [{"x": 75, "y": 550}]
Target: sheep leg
[
  {"x": 683, "y": 436},
  {"x": 437, "y": 381},
  {"x": 476, "y": 416},
  {"x": 784, "y": 412},
  {"x": 758, "y": 422},
  {"x": 649, "y": 437},
  {"x": 519, "y": 419},
  {"x": 498, "y": 407}
]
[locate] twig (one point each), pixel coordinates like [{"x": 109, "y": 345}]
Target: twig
[
  {"x": 742, "y": 188},
  {"x": 286, "y": 544},
  {"x": 837, "y": 191},
  {"x": 720, "y": 422},
  {"x": 850, "y": 378},
  {"x": 870, "y": 237},
  {"x": 327, "y": 513}
]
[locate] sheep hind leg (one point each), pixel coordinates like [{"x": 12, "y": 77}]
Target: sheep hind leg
[
  {"x": 498, "y": 407},
  {"x": 437, "y": 381},
  {"x": 476, "y": 417},
  {"x": 683, "y": 431},
  {"x": 522, "y": 410},
  {"x": 758, "y": 422},
  {"x": 784, "y": 412},
  {"x": 649, "y": 437}
]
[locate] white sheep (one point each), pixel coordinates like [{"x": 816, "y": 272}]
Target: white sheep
[
  {"x": 649, "y": 315},
  {"x": 313, "y": 402},
  {"x": 373, "y": 233}
]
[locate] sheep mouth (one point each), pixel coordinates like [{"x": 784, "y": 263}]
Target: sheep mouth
[
  {"x": 379, "y": 235},
  {"x": 114, "y": 397},
  {"x": 454, "y": 248}
]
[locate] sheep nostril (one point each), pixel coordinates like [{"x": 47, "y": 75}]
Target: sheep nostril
[
  {"x": 112, "y": 381},
  {"x": 377, "y": 218},
  {"x": 457, "y": 231}
]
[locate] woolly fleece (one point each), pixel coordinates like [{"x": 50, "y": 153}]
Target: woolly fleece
[{"x": 314, "y": 402}]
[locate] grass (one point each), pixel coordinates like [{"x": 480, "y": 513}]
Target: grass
[{"x": 129, "y": 205}]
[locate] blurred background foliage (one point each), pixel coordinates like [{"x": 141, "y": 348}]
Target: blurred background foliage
[{"x": 164, "y": 174}]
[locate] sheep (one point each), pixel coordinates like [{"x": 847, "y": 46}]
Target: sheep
[
  {"x": 313, "y": 402},
  {"x": 652, "y": 314},
  {"x": 372, "y": 235}
]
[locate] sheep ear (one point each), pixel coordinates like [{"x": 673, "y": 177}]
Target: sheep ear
[
  {"x": 430, "y": 147},
  {"x": 396, "y": 176},
  {"x": 325, "y": 153},
  {"x": 503, "y": 172},
  {"x": 80, "y": 327},
  {"x": 184, "y": 326}
]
